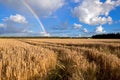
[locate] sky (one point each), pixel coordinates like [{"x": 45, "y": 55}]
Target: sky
[{"x": 64, "y": 18}]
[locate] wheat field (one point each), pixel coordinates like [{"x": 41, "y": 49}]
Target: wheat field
[{"x": 59, "y": 59}]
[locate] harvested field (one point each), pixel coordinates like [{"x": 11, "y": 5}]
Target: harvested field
[{"x": 59, "y": 59}]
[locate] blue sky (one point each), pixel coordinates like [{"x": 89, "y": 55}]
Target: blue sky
[{"x": 71, "y": 18}]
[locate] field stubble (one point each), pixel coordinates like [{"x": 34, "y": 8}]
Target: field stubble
[{"x": 59, "y": 59}]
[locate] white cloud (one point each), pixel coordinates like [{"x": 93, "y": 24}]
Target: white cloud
[
  {"x": 99, "y": 29},
  {"x": 2, "y": 25},
  {"x": 13, "y": 24},
  {"x": 77, "y": 26},
  {"x": 116, "y": 22},
  {"x": 41, "y": 7},
  {"x": 16, "y": 25},
  {"x": 85, "y": 30},
  {"x": 33, "y": 33},
  {"x": 79, "y": 35},
  {"x": 94, "y": 12},
  {"x": 45, "y": 7},
  {"x": 76, "y": 1},
  {"x": 17, "y": 18},
  {"x": 23, "y": 34},
  {"x": 27, "y": 31},
  {"x": 45, "y": 34},
  {"x": 109, "y": 19}
]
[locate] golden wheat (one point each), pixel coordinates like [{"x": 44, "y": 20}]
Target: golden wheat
[{"x": 59, "y": 59}]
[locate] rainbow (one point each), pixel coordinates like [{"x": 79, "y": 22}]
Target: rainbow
[{"x": 35, "y": 15}]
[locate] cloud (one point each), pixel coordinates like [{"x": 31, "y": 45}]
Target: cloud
[
  {"x": 41, "y": 7},
  {"x": 17, "y": 25},
  {"x": 63, "y": 26},
  {"x": 99, "y": 29},
  {"x": 76, "y": 1},
  {"x": 45, "y": 34},
  {"x": 94, "y": 12},
  {"x": 45, "y": 6},
  {"x": 116, "y": 22},
  {"x": 32, "y": 33},
  {"x": 24, "y": 34},
  {"x": 77, "y": 26},
  {"x": 13, "y": 24},
  {"x": 17, "y": 19},
  {"x": 1, "y": 25},
  {"x": 116, "y": 30},
  {"x": 85, "y": 30}
]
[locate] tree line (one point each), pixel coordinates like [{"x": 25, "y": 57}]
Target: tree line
[{"x": 107, "y": 36}]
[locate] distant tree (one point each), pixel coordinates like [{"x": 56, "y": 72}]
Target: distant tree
[{"x": 107, "y": 36}]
